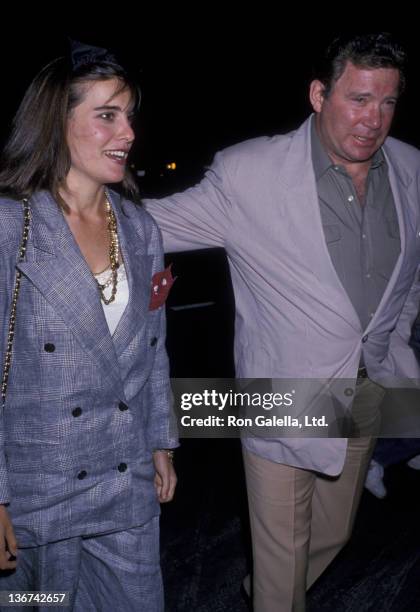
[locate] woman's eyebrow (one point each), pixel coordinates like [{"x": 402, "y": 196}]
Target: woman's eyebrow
[{"x": 108, "y": 107}]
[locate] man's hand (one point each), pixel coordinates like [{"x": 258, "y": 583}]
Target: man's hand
[
  {"x": 8, "y": 544},
  {"x": 165, "y": 478}
]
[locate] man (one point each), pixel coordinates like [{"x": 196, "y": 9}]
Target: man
[{"x": 322, "y": 232}]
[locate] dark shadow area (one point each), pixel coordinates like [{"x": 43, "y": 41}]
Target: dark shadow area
[{"x": 200, "y": 315}]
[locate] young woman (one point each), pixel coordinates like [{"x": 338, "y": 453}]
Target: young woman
[{"x": 85, "y": 432}]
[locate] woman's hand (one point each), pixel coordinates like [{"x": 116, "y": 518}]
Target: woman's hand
[
  {"x": 165, "y": 478},
  {"x": 8, "y": 544}
]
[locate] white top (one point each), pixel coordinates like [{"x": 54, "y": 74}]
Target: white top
[{"x": 114, "y": 311}]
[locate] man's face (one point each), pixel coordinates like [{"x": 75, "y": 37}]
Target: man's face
[{"x": 354, "y": 120}]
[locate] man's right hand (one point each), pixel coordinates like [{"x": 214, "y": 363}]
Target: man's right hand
[{"x": 8, "y": 544}]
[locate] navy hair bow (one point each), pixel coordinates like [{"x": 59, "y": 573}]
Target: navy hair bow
[{"x": 82, "y": 54}]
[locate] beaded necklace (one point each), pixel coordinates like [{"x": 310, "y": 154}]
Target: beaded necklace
[{"x": 113, "y": 254}]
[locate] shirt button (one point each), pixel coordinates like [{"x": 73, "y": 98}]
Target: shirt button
[
  {"x": 365, "y": 339},
  {"x": 76, "y": 412},
  {"x": 49, "y": 348},
  {"x": 122, "y": 467},
  {"x": 82, "y": 475},
  {"x": 350, "y": 198},
  {"x": 364, "y": 236},
  {"x": 368, "y": 275},
  {"x": 348, "y": 392},
  {"x": 335, "y": 167},
  {"x": 122, "y": 406},
  {"x": 153, "y": 341}
]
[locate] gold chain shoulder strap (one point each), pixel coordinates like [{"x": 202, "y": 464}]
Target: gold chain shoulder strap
[{"x": 12, "y": 319}]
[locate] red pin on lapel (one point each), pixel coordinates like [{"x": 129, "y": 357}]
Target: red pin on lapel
[{"x": 161, "y": 285}]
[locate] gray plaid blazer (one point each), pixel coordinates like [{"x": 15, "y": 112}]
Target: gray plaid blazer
[{"x": 84, "y": 410}]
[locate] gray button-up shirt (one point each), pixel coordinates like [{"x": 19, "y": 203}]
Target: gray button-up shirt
[{"x": 363, "y": 241}]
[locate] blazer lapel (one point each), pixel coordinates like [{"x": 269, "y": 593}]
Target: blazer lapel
[
  {"x": 55, "y": 265},
  {"x": 298, "y": 181},
  {"x": 138, "y": 266},
  {"x": 399, "y": 181}
]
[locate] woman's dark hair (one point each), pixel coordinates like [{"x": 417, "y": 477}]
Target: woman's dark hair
[
  {"x": 36, "y": 155},
  {"x": 364, "y": 51}
]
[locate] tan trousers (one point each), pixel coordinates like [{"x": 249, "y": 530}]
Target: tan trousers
[{"x": 301, "y": 519}]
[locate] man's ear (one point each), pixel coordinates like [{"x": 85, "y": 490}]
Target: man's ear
[{"x": 316, "y": 95}]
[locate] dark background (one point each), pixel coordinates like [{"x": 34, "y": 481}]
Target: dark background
[{"x": 209, "y": 79}]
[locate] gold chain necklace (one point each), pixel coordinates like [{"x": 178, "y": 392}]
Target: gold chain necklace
[{"x": 113, "y": 254}]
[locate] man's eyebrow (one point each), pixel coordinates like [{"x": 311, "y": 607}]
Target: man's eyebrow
[
  {"x": 356, "y": 92},
  {"x": 368, "y": 94}
]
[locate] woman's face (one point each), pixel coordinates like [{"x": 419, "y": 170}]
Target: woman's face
[{"x": 99, "y": 133}]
